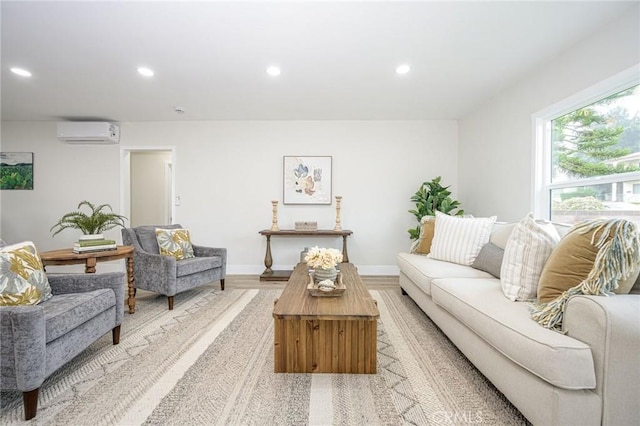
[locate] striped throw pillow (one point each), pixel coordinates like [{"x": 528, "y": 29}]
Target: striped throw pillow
[
  {"x": 527, "y": 250},
  {"x": 460, "y": 239}
]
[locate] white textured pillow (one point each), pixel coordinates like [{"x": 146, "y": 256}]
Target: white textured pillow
[
  {"x": 525, "y": 254},
  {"x": 460, "y": 239}
]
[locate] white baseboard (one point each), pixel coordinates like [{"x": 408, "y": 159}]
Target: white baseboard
[
  {"x": 231, "y": 269},
  {"x": 363, "y": 270}
]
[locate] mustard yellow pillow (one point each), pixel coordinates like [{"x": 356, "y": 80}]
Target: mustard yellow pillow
[
  {"x": 572, "y": 261},
  {"x": 175, "y": 242},
  {"x": 22, "y": 277},
  {"x": 426, "y": 235}
]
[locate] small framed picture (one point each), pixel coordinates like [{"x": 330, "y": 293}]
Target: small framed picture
[
  {"x": 16, "y": 170},
  {"x": 307, "y": 180}
]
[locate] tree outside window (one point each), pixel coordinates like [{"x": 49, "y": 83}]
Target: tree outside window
[{"x": 597, "y": 142}]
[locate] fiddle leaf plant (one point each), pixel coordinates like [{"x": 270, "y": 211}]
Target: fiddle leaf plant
[
  {"x": 429, "y": 198},
  {"x": 93, "y": 222}
]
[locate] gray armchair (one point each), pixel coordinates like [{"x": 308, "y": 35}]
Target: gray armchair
[
  {"x": 37, "y": 340},
  {"x": 165, "y": 274}
]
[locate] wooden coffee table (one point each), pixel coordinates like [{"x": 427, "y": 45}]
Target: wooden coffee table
[{"x": 325, "y": 334}]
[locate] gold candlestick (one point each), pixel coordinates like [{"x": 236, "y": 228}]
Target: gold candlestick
[
  {"x": 338, "y": 200},
  {"x": 274, "y": 220}
]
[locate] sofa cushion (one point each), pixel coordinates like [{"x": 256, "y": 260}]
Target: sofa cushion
[
  {"x": 479, "y": 304},
  {"x": 70, "y": 310},
  {"x": 460, "y": 239},
  {"x": 500, "y": 233},
  {"x": 147, "y": 236},
  {"x": 421, "y": 270},
  {"x": 22, "y": 277},
  {"x": 175, "y": 242},
  {"x": 527, "y": 250}
]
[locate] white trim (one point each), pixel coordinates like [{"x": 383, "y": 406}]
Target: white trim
[
  {"x": 383, "y": 270},
  {"x": 618, "y": 177},
  {"x": 540, "y": 124},
  {"x": 613, "y": 84}
]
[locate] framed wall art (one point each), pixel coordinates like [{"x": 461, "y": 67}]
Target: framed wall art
[
  {"x": 16, "y": 170},
  {"x": 307, "y": 180}
]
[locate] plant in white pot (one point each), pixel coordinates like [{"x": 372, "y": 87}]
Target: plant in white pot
[{"x": 94, "y": 222}]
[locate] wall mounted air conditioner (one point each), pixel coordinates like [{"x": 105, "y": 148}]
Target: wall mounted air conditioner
[{"x": 88, "y": 132}]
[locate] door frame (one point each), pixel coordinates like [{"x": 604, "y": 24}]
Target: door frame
[{"x": 125, "y": 177}]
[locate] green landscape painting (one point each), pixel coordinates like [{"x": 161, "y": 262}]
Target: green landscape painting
[{"x": 16, "y": 170}]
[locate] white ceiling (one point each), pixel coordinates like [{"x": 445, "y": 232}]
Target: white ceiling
[{"x": 337, "y": 58}]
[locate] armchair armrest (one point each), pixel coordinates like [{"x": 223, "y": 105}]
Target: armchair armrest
[
  {"x": 202, "y": 251},
  {"x": 80, "y": 283},
  {"x": 611, "y": 327},
  {"x": 23, "y": 345},
  {"x": 155, "y": 272}
]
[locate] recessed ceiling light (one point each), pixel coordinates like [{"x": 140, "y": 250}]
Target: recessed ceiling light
[
  {"x": 21, "y": 72},
  {"x": 147, "y": 72},
  {"x": 273, "y": 71},
  {"x": 403, "y": 69}
]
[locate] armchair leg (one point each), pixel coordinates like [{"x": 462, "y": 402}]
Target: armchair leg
[
  {"x": 30, "y": 400},
  {"x": 222, "y": 284},
  {"x": 115, "y": 333},
  {"x": 170, "y": 303}
]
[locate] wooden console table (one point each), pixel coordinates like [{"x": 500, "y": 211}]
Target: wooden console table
[
  {"x": 68, "y": 257},
  {"x": 271, "y": 275}
]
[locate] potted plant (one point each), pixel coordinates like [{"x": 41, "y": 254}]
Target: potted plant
[
  {"x": 432, "y": 197},
  {"x": 95, "y": 222}
]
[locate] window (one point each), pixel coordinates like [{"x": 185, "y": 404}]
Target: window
[{"x": 588, "y": 154}]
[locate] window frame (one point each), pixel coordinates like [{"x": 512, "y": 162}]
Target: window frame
[{"x": 541, "y": 126}]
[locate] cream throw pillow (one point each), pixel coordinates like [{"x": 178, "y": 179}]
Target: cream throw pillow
[
  {"x": 175, "y": 242},
  {"x": 460, "y": 239},
  {"x": 528, "y": 248},
  {"x": 22, "y": 277}
]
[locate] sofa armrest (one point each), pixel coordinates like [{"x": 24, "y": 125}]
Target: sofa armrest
[
  {"x": 202, "y": 251},
  {"x": 23, "y": 348},
  {"x": 80, "y": 283},
  {"x": 611, "y": 327}
]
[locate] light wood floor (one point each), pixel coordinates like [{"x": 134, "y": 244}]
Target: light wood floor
[{"x": 377, "y": 282}]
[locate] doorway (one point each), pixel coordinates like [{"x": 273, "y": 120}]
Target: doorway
[{"x": 147, "y": 185}]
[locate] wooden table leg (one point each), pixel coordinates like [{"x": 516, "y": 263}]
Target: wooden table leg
[
  {"x": 132, "y": 294},
  {"x": 268, "y": 260},
  {"x": 345, "y": 255},
  {"x": 90, "y": 265}
]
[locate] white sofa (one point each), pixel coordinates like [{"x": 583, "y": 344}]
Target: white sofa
[{"x": 588, "y": 376}]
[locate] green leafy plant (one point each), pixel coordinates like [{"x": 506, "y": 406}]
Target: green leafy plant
[
  {"x": 93, "y": 223},
  {"x": 432, "y": 197}
]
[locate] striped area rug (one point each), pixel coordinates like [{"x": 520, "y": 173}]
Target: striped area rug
[{"x": 210, "y": 362}]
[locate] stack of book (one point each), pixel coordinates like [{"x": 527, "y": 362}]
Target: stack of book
[{"x": 89, "y": 243}]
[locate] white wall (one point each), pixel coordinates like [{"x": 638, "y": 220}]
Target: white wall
[
  {"x": 496, "y": 141},
  {"x": 227, "y": 173}
]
